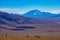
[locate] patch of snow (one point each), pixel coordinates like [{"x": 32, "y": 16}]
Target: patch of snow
[{"x": 34, "y": 13}]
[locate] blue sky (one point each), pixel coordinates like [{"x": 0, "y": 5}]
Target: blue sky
[{"x": 22, "y": 6}]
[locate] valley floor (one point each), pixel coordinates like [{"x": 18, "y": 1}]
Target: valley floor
[{"x": 41, "y": 32}]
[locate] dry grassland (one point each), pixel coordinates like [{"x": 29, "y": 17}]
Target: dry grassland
[{"x": 27, "y": 37}]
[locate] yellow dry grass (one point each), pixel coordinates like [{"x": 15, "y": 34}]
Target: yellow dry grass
[{"x": 27, "y": 37}]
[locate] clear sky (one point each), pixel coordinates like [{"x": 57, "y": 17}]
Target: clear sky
[{"x": 22, "y": 6}]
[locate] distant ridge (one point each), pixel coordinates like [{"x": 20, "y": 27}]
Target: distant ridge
[{"x": 13, "y": 19}]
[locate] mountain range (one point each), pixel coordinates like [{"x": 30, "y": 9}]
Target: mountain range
[{"x": 31, "y": 17}]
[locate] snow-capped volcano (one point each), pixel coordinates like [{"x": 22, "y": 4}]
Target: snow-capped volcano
[{"x": 38, "y": 14}]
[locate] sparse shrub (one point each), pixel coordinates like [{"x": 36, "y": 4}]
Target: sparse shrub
[
  {"x": 50, "y": 31},
  {"x": 27, "y": 36},
  {"x": 38, "y": 37}
]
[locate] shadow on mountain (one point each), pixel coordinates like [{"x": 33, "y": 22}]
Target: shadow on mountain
[
  {"x": 22, "y": 28},
  {"x": 2, "y": 22},
  {"x": 3, "y": 27},
  {"x": 13, "y": 29},
  {"x": 19, "y": 28},
  {"x": 25, "y": 27}
]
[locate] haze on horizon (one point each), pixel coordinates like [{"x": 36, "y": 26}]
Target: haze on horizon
[{"x": 23, "y": 6}]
